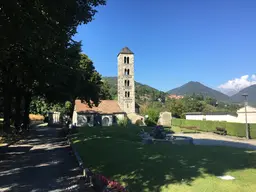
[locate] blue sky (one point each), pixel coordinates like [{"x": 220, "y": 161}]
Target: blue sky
[{"x": 175, "y": 41}]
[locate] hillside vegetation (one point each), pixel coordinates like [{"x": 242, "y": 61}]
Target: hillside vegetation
[{"x": 143, "y": 93}]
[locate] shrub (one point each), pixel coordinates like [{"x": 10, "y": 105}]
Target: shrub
[
  {"x": 153, "y": 116},
  {"x": 236, "y": 129},
  {"x": 150, "y": 122},
  {"x": 252, "y": 129},
  {"x": 139, "y": 122},
  {"x": 123, "y": 122}
]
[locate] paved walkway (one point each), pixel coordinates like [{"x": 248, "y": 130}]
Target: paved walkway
[
  {"x": 43, "y": 162},
  {"x": 214, "y": 139}
]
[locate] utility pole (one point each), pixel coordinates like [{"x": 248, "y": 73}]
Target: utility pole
[{"x": 245, "y": 95}]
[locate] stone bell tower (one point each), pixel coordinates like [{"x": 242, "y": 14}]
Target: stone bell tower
[{"x": 125, "y": 80}]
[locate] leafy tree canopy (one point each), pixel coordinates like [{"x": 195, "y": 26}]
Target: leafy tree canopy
[{"x": 38, "y": 56}]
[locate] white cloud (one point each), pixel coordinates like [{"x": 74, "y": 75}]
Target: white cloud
[{"x": 235, "y": 85}]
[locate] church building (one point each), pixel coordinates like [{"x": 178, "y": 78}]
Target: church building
[{"x": 108, "y": 112}]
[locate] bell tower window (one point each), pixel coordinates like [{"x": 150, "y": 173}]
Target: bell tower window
[
  {"x": 127, "y": 60},
  {"x": 126, "y": 71},
  {"x": 124, "y": 59}
]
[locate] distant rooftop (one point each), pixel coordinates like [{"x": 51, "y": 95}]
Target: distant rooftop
[{"x": 126, "y": 50}]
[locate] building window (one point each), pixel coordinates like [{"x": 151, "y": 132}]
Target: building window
[
  {"x": 124, "y": 59},
  {"x": 125, "y": 94},
  {"x": 128, "y": 94},
  {"x": 126, "y": 71},
  {"x": 126, "y": 83},
  {"x": 127, "y": 60}
]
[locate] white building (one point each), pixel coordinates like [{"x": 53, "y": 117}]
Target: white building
[
  {"x": 251, "y": 115},
  {"x": 211, "y": 116},
  {"x": 239, "y": 117}
]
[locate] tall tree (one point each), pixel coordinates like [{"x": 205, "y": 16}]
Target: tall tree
[
  {"x": 105, "y": 91},
  {"x": 36, "y": 37}
]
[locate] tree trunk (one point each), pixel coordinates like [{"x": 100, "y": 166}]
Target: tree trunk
[
  {"x": 17, "y": 110},
  {"x": 72, "y": 109},
  {"x": 7, "y": 103},
  {"x": 27, "y": 98},
  {"x": 7, "y": 112}
]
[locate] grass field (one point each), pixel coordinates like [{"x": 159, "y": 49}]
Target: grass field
[{"x": 119, "y": 154}]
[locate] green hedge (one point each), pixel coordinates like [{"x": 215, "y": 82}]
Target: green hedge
[
  {"x": 233, "y": 129},
  {"x": 253, "y": 130},
  {"x": 236, "y": 129}
]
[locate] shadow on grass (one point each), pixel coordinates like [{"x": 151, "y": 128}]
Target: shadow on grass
[{"x": 150, "y": 167}]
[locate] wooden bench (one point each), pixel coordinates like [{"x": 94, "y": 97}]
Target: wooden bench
[
  {"x": 220, "y": 131},
  {"x": 194, "y": 128}
]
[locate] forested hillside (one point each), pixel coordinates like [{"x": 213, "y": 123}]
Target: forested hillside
[{"x": 143, "y": 92}]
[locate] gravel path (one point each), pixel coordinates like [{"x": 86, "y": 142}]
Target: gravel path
[
  {"x": 43, "y": 162},
  {"x": 213, "y": 139}
]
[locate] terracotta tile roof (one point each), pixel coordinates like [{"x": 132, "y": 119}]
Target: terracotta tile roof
[{"x": 105, "y": 106}]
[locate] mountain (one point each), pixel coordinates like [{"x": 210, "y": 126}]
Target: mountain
[
  {"x": 230, "y": 92},
  {"x": 193, "y": 87},
  {"x": 251, "y": 91},
  {"x": 142, "y": 92}
]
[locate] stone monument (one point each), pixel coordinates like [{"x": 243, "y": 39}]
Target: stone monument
[{"x": 165, "y": 119}]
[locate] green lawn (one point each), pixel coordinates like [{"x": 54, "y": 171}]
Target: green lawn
[{"x": 118, "y": 153}]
